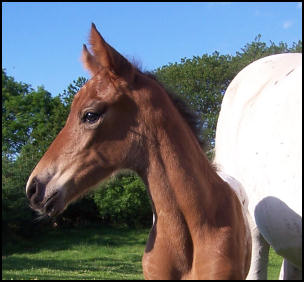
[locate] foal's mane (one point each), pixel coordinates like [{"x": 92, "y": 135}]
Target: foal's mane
[{"x": 191, "y": 118}]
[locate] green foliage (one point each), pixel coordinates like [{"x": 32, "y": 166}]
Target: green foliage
[
  {"x": 82, "y": 212},
  {"x": 201, "y": 81},
  {"x": 257, "y": 49},
  {"x": 28, "y": 117},
  {"x": 123, "y": 199},
  {"x": 17, "y": 217},
  {"x": 14, "y": 131},
  {"x": 12, "y": 192},
  {"x": 25, "y": 120},
  {"x": 30, "y": 122},
  {"x": 68, "y": 94}
]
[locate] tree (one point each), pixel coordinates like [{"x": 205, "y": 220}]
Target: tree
[
  {"x": 201, "y": 81},
  {"x": 257, "y": 50},
  {"x": 31, "y": 119},
  {"x": 68, "y": 94},
  {"x": 123, "y": 199},
  {"x": 14, "y": 130}
]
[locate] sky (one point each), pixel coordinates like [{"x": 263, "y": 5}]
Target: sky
[{"x": 42, "y": 42}]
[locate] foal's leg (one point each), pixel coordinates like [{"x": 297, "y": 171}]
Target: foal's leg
[
  {"x": 289, "y": 271},
  {"x": 259, "y": 257}
]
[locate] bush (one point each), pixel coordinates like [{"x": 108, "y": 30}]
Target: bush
[
  {"x": 123, "y": 199},
  {"x": 80, "y": 213},
  {"x": 17, "y": 217}
]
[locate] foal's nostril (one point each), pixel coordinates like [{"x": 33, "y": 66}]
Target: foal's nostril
[
  {"x": 31, "y": 190},
  {"x": 35, "y": 192}
]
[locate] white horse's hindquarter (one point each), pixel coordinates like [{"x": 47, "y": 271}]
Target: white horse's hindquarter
[{"x": 259, "y": 143}]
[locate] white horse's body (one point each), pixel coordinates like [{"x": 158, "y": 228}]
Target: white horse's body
[{"x": 259, "y": 143}]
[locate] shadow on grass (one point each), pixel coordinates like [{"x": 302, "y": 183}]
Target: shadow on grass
[{"x": 64, "y": 239}]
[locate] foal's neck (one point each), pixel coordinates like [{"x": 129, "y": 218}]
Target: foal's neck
[{"x": 180, "y": 179}]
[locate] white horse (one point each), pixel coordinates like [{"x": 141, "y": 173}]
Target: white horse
[{"x": 259, "y": 145}]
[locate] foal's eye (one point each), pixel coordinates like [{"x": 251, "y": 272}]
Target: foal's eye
[{"x": 91, "y": 117}]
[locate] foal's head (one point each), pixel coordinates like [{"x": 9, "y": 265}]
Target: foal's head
[{"x": 113, "y": 118}]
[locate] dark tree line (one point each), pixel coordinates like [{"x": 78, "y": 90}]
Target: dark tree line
[{"x": 31, "y": 119}]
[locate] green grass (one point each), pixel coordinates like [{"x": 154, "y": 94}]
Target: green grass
[
  {"x": 89, "y": 253},
  {"x": 85, "y": 254},
  {"x": 274, "y": 265}
]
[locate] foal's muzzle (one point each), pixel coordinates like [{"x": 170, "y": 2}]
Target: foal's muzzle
[
  {"x": 38, "y": 201},
  {"x": 35, "y": 193}
]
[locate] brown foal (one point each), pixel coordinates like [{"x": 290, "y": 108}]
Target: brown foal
[{"x": 123, "y": 119}]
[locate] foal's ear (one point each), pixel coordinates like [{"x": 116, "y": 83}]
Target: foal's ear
[
  {"x": 89, "y": 61},
  {"x": 107, "y": 57}
]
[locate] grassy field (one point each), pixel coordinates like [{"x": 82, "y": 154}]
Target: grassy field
[{"x": 85, "y": 254}]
